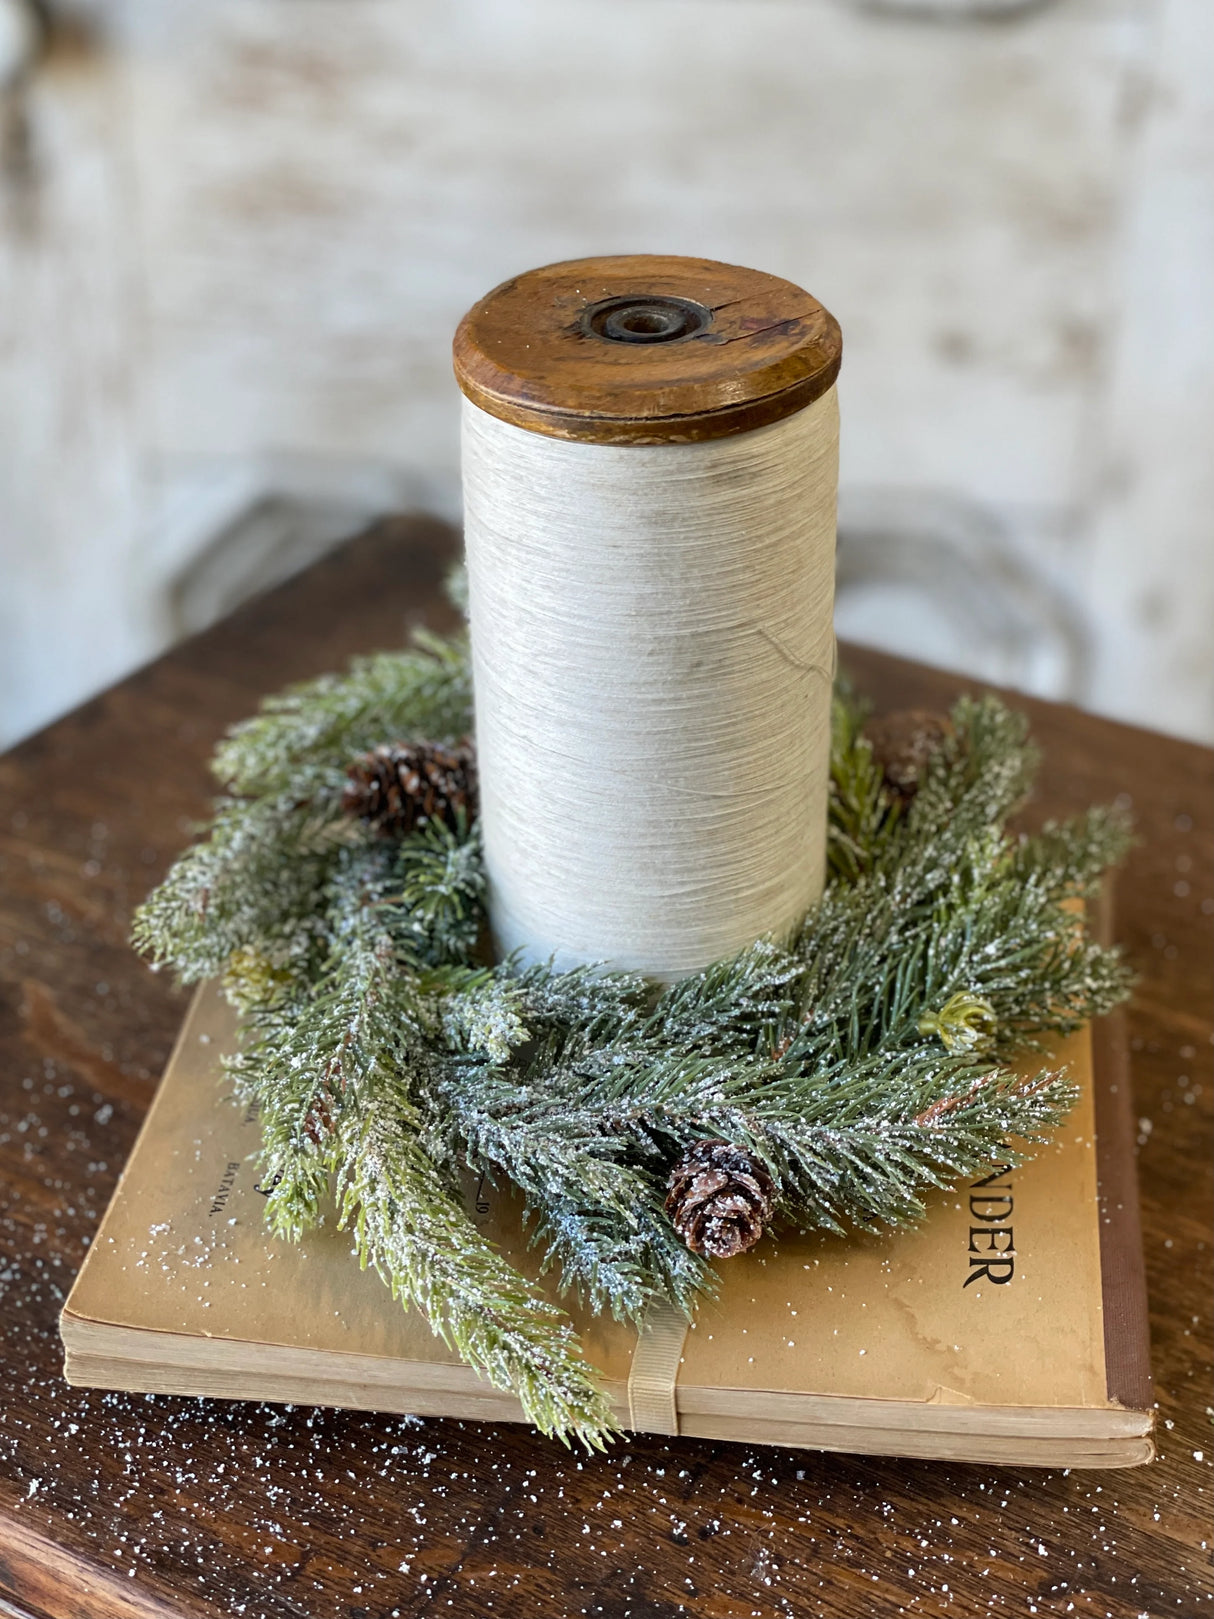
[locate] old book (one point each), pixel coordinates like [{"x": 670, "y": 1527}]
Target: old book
[{"x": 1010, "y": 1327}]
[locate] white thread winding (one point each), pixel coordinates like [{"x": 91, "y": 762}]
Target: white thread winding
[{"x": 652, "y": 655}]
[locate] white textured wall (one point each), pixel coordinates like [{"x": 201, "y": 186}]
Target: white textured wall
[{"x": 248, "y": 228}]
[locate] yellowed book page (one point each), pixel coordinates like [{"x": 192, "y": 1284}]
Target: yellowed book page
[
  {"x": 184, "y": 1248},
  {"x": 942, "y": 1314},
  {"x": 995, "y": 1299}
]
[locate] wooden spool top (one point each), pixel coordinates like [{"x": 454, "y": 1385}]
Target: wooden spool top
[{"x": 645, "y": 349}]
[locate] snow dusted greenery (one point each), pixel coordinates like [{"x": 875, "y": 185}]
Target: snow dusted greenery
[{"x": 866, "y": 1060}]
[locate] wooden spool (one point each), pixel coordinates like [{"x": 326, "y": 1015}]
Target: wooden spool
[
  {"x": 650, "y": 464},
  {"x": 645, "y": 349}
]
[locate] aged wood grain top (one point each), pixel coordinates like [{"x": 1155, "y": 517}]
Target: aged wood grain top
[
  {"x": 645, "y": 349},
  {"x": 122, "y": 1507}
]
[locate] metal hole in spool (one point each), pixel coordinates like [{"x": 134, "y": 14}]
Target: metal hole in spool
[{"x": 645, "y": 318}]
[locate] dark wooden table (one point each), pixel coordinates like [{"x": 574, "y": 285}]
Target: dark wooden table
[{"x": 116, "y": 1505}]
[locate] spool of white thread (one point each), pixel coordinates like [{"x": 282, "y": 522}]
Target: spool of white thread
[{"x": 650, "y": 468}]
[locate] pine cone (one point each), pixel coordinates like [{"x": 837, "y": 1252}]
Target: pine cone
[
  {"x": 903, "y": 742},
  {"x": 401, "y": 786},
  {"x": 719, "y": 1198}
]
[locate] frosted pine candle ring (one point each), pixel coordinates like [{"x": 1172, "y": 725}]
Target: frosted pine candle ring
[{"x": 650, "y": 466}]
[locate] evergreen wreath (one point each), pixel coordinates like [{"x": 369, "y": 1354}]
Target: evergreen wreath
[{"x": 828, "y": 1080}]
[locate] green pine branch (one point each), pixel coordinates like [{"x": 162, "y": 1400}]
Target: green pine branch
[
  {"x": 258, "y": 877},
  {"x": 1069, "y": 859},
  {"x": 256, "y": 881},
  {"x": 865, "y": 1060},
  {"x": 595, "y": 1215},
  {"x": 409, "y": 1228},
  {"x": 863, "y": 818},
  {"x": 322, "y": 724},
  {"x": 334, "y": 1074}
]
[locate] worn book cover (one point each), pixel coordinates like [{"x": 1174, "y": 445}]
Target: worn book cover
[{"x": 1009, "y": 1327}]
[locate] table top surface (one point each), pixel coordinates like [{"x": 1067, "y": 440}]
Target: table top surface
[{"x": 117, "y": 1506}]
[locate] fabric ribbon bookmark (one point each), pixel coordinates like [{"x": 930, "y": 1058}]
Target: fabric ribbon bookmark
[{"x": 655, "y": 1370}]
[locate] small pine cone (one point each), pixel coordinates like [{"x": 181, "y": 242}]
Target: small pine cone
[
  {"x": 902, "y": 743},
  {"x": 720, "y": 1198},
  {"x": 401, "y": 786}
]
